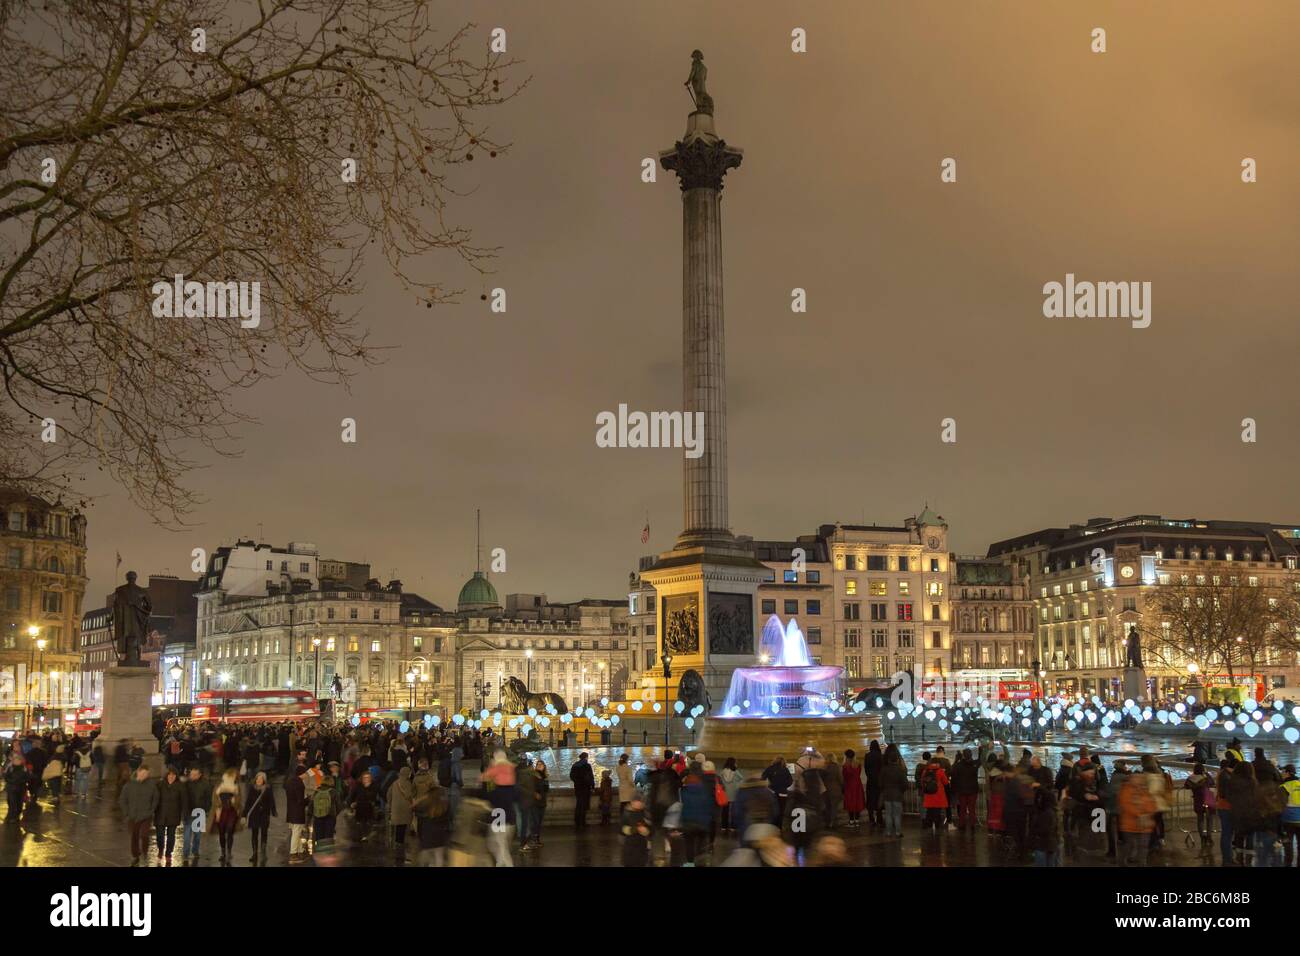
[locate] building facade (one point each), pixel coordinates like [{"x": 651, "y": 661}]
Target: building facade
[
  {"x": 992, "y": 620},
  {"x": 43, "y": 582},
  {"x": 579, "y": 650},
  {"x": 270, "y": 617},
  {"x": 1091, "y": 583},
  {"x": 892, "y": 606},
  {"x": 800, "y": 586}
]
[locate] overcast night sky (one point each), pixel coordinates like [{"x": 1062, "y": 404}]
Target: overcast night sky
[{"x": 925, "y": 299}]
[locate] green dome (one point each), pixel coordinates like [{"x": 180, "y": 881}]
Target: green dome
[{"x": 477, "y": 594}]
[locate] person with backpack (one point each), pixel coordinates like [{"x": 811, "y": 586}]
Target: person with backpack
[
  {"x": 79, "y": 760},
  {"x": 324, "y": 811},
  {"x": 1290, "y": 813},
  {"x": 934, "y": 795}
]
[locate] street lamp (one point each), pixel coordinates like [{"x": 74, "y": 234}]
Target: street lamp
[
  {"x": 315, "y": 680},
  {"x": 40, "y": 646},
  {"x": 410, "y": 679},
  {"x": 528, "y": 655},
  {"x": 600, "y": 665},
  {"x": 176, "y": 673},
  {"x": 668, "y": 676},
  {"x": 207, "y": 678}
]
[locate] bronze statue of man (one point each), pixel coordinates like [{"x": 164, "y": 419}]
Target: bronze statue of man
[
  {"x": 695, "y": 83},
  {"x": 1134, "y": 655},
  {"x": 131, "y": 610}
]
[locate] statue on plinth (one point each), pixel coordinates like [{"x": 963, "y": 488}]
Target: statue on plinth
[
  {"x": 1133, "y": 651},
  {"x": 695, "y": 84},
  {"x": 131, "y": 610}
]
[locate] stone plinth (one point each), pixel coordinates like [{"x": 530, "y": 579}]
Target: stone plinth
[
  {"x": 128, "y": 712},
  {"x": 715, "y": 589},
  {"x": 1135, "y": 685}
]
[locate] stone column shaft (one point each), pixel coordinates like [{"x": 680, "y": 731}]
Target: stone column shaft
[{"x": 700, "y": 161}]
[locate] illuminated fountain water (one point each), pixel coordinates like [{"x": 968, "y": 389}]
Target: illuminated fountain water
[{"x": 785, "y": 704}]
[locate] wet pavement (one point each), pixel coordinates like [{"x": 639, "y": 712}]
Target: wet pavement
[{"x": 91, "y": 833}]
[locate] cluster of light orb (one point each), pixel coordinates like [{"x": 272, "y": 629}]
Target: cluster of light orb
[{"x": 1250, "y": 718}]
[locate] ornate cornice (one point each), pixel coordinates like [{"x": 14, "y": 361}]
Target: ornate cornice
[{"x": 701, "y": 163}]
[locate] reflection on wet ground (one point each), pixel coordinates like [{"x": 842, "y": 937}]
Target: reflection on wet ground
[{"x": 91, "y": 833}]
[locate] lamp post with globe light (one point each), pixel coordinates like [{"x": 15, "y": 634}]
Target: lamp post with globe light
[
  {"x": 176, "y": 672},
  {"x": 411, "y": 675}
]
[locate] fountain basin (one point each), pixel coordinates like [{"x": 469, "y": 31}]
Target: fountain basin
[{"x": 755, "y": 740}]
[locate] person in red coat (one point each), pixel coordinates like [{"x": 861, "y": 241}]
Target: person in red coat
[
  {"x": 933, "y": 784},
  {"x": 855, "y": 798}
]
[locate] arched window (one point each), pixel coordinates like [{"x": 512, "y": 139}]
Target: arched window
[{"x": 52, "y": 563}]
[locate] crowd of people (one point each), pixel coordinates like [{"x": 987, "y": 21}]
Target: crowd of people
[{"x": 409, "y": 786}]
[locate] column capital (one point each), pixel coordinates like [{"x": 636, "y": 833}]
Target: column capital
[{"x": 701, "y": 158}]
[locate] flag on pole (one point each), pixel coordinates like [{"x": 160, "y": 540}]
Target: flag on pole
[
  {"x": 119, "y": 560},
  {"x": 645, "y": 532}
]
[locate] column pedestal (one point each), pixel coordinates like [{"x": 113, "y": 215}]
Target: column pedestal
[
  {"x": 128, "y": 713},
  {"x": 1135, "y": 685}
]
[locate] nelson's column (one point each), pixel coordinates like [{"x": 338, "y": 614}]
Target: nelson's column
[{"x": 706, "y": 585}]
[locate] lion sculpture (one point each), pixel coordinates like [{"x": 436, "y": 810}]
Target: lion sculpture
[{"x": 515, "y": 698}]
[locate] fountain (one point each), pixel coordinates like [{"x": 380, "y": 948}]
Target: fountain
[{"x": 784, "y": 705}]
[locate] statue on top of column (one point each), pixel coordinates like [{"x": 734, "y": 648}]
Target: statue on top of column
[{"x": 695, "y": 84}]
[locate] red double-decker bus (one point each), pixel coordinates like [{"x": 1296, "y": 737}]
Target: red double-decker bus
[
  {"x": 236, "y": 706},
  {"x": 87, "y": 719}
]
